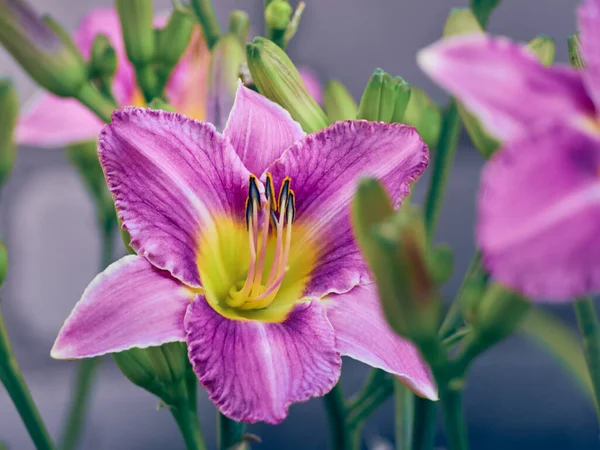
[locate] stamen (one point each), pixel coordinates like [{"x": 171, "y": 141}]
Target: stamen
[{"x": 256, "y": 286}]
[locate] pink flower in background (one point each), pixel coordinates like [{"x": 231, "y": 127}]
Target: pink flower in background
[
  {"x": 539, "y": 203},
  {"x": 53, "y": 121},
  {"x": 259, "y": 274}
]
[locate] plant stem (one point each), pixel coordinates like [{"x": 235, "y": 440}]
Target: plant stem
[
  {"x": 404, "y": 406},
  {"x": 84, "y": 380},
  {"x": 229, "y": 432},
  {"x": 443, "y": 159},
  {"x": 205, "y": 12},
  {"x": 12, "y": 378},
  {"x": 341, "y": 436},
  {"x": 454, "y": 422},
  {"x": 148, "y": 81},
  {"x": 424, "y": 424},
  {"x": 189, "y": 425},
  {"x": 96, "y": 102},
  {"x": 589, "y": 327}
]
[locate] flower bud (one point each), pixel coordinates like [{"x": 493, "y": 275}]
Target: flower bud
[
  {"x": 103, "y": 58},
  {"x": 3, "y": 262},
  {"x": 385, "y": 98},
  {"x": 440, "y": 262},
  {"x": 544, "y": 49},
  {"x": 424, "y": 115},
  {"x": 174, "y": 38},
  {"x": 239, "y": 25},
  {"x": 137, "y": 25},
  {"x": 482, "y": 9},
  {"x": 9, "y": 112},
  {"x": 160, "y": 104},
  {"x": 158, "y": 370},
  {"x": 278, "y": 14},
  {"x": 42, "y": 48},
  {"x": 461, "y": 22},
  {"x": 338, "y": 102},
  {"x": 223, "y": 78},
  {"x": 575, "y": 51},
  {"x": 394, "y": 247},
  {"x": 277, "y": 78}
]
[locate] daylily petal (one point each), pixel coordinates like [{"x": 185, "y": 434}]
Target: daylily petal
[
  {"x": 539, "y": 214},
  {"x": 130, "y": 304},
  {"x": 53, "y": 121},
  {"x": 503, "y": 83},
  {"x": 313, "y": 85},
  {"x": 362, "y": 333},
  {"x": 253, "y": 371},
  {"x": 324, "y": 169},
  {"x": 589, "y": 24},
  {"x": 259, "y": 129},
  {"x": 170, "y": 177}
]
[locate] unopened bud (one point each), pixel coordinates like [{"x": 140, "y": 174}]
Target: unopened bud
[
  {"x": 277, "y": 78},
  {"x": 160, "y": 104},
  {"x": 278, "y": 14},
  {"x": 42, "y": 48},
  {"x": 137, "y": 25},
  {"x": 461, "y": 22},
  {"x": 103, "y": 58},
  {"x": 3, "y": 262},
  {"x": 174, "y": 38},
  {"x": 544, "y": 49},
  {"x": 385, "y": 98},
  {"x": 9, "y": 112},
  {"x": 223, "y": 78},
  {"x": 424, "y": 115},
  {"x": 156, "y": 369},
  {"x": 440, "y": 262},
  {"x": 239, "y": 25},
  {"x": 483, "y": 9},
  {"x": 338, "y": 102},
  {"x": 575, "y": 51}
]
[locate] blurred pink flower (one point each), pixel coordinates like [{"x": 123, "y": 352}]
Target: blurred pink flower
[
  {"x": 539, "y": 203},
  {"x": 267, "y": 290}
]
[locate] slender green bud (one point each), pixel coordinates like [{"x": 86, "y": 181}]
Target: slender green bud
[
  {"x": 575, "y": 51},
  {"x": 544, "y": 49},
  {"x": 159, "y": 370},
  {"x": 137, "y": 25},
  {"x": 42, "y": 48},
  {"x": 483, "y": 9},
  {"x": 160, "y": 104},
  {"x": 424, "y": 115},
  {"x": 385, "y": 98},
  {"x": 277, "y": 78},
  {"x": 338, "y": 102},
  {"x": 278, "y": 14},
  {"x": 9, "y": 112},
  {"x": 460, "y": 22},
  {"x": 239, "y": 25},
  {"x": 440, "y": 262},
  {"x": 3, "y": 262},
  {"x": 227, "y": 58},
  {"x": 174, "y": 38},
  {"x": 394, "y": 247},
  {"x": 103, "y": 58}
]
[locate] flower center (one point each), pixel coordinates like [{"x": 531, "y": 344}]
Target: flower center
[{"x": 263, "y": 283}]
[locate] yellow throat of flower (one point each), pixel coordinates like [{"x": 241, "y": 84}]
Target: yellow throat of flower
[{"x": 257, "y": 270}]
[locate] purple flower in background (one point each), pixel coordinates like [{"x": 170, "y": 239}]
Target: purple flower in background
[
  {"x": 539, "y": 203},
  {"x": 260, "y": 275}
]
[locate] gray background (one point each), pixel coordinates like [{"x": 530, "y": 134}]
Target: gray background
[{"x": 516, "y": 397}]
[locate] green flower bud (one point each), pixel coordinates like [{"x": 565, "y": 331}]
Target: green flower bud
[
  {"x": 394, "y": 247},
  {"x": 385, "y": 98},
  {"x": 544, "y": 48},
  {"x": 239, "y": 24},
  {"x": 9, "y": 112},
  {"x": 440, "y": 262},
  {"x": 461, "y": 22},
  {"x": 338, "y": 102},
  {"x": 425, "y": 116},
  {"x": 575, "y": 51},
  {"x": 159, "y": 370},
  {"x": 483, "y": 9},
  {"x": 174, "y": 38},
  {"x": 103, "y": 58},
  {"x": 42, "y": 48},
  {"x": 137, "y": 25},
  {"x": 277, "y": 78},
  {"x": 3, "y": 262},
  {"x": 227, "y": 58},
  {"x": 160, "y": 104},
  {"x": 278, "y": 14}
]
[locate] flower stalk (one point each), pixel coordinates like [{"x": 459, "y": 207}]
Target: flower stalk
[
  {"x": 205, "y": 13},
  {"x": 589, "y": 327},
  {"x": 229, "y": 432}
]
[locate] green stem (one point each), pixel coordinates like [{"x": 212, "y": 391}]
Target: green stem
[
  {"x": 189, "y": 425},
  {"x": 454, "y": 422},
  {"x": 404, "y": 419},
  {"x": 443, "y": 159},
  {"x": 229, "y": 432},
  {"x": 341, "y": 435},
  {"x": 376, "y": 391},
  {"x": 96, "y": 102},
  {"x": 205, "y": 12},
  {"x": 12, "y": 378},
  {"x": 589, "y": 327},
  {"x": 148, "y": 81},
  {"x": 86, "y": 372},
  {"x": 424, "y": 424}
]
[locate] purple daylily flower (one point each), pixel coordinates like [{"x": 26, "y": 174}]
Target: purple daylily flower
[
  {"x": 539, "y": 203},
  {"x": 259, "y": 274}
]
